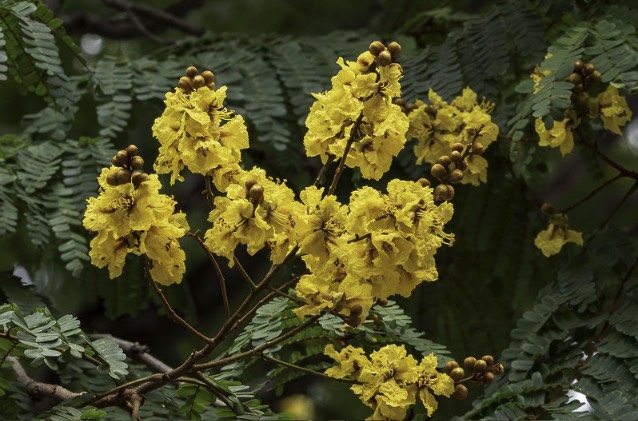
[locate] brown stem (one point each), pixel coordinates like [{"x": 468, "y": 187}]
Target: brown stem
[
  {"x": 300, "y": 368},
  {"x": 322, "y": 173},
  {"x": 136, "y": 351},
  {"x": 594, "y": 148},
  {"x": 244, "y": 274},
  {"x": 342, "y": 161},
  {"x": 170, "y": 310},
  {"x": 36, "y": 389},
  {"x": 631, "y": 191},
  {"x": 591, "y": 194}
]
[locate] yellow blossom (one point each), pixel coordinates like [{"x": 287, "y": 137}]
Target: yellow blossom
[
  {"x": 139, "y": 221},
  {"x": 552, "y": 240},
  {"x": 613, "y": 108},
  {"x": 559, "y": 135}
]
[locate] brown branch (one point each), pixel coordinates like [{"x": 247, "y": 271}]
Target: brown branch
[
  {"x": 342, "y": 161},
  {"x": 37, "y": 390},
  {"x": 591, "y": 194},
  {"x": 622, "y": 201},
  {"x": 136, "y": 351}
]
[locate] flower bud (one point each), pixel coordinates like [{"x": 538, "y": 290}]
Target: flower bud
[
  {"x": 488, "y": 378},
  {"x": 122, "y": 158},
  {"x": 480, "y": 366},
  {"x": 376, "y": 47},
  {"x": 460, "y": 392},
  {"x": 462, "y": 165},
  {"x": 469, "y": 362},
  {"x": 256, "y": 194},
  {"x": 456, "y": 176},
  {"x": 137, "y": 162},
  {"x": 394, "y": 48},
  {"x": 455, "y": 156},
  {"x": 123, "y": 176},
  {"x": 191, "y": 72},
  {"x": 356, "y": 310},
  {"x": 478, "y": 148},
  {"x": 444, "y": 160},
  {"x": 438, "y": 171},
  {"x": 138, "y": 178},
  {"x": 111, "y": 179},
  {"x": 209, "y": 77},
  {"x": 211, "y": 86},
  {"x": 575, "y": 78},
  {"x": 488, "y": 359},
  {"x": 457, "y": 374},
  {"x": 578, "y": 65},
  {"x": 596, "y": 76},
  {"x": 115, "y": 162},
  {"x": 132, "y": 150},
  {"x": 424, "y": 182},
  {"x": 450, "y": 192},
  {"x": 588, "y": 69},
  {"x": 458, "y": 146},
  {"x": 440, "y": 193},
  {"x": 547, "y": 209},
  {"x": 198, "y": 82},
  {"x": 250, "y": 183},
  {"x": 185, "y": 84},
  {"x": 384, "y": 58},
  {"x": 498, "y": 369},
  {"x": 382, "y": 302},
  {"x": 449, "y": 366}
]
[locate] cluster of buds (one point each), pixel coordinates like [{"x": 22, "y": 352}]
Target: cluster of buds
[
  {"x": 405, "y": 106},
  {"x": 192, "y": 81},
  {"x": 254, "y": 192},
  {"x": 384, "y": 54},
  {"x": 449, "y": 169},
  {"x": 482, "y": 372},
  {"x": 129, "y": 164},
  {"x": 584, "y": 76}
]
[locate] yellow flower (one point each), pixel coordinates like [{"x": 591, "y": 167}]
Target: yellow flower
[
  {"x": 431, "y": 381},
  {"x": 139, "y": 221},
  {"x": 350, "y": 360},
  {"x": 198, "y": 132},
  {"x": 559, "y": 135},
  {"x": 614, "y": 111},
  {"x": 552, "y": 240}
]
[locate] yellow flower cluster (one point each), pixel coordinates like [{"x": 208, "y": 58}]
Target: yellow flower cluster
[
  {"x": 612, "y": 109},
  {"x": 359, "y": 107},
  {"x": 560, "y": 134},
  {"x": 439, "y": 125},
  {"x": 139, "y": 221},
  {"x": 197, "y": 131},
  {"x": 377, "y": 246},
  {"x": 390, "y": 380},
  {"x": 256, "y": 212}
]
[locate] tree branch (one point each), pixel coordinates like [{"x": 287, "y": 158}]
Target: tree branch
[
  {"x": 37, "y": 390},
  {"x": 136, "y": 351}
]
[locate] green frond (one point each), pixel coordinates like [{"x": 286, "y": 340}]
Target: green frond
[
  {"x": 614, "y": 49},
  {"x": 114, "y": 79}
]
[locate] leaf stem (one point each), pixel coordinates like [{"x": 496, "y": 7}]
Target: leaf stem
[{"x": 342, "y": 161}]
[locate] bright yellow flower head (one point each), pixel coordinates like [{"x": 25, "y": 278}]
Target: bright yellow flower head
[
  {"x": 559, "y": 135},
  {"x": 613, "y": 109},
  {"x": 198, "y": 132},
  {"x": 359, "y": 106},
  {"x": 139, "y": 221},
  {"x": 552, "y": 240}
]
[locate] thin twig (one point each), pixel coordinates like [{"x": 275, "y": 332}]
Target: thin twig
[
  {"x": 140, "y": 26},
  {"x": 322, "y": 173},
  {"x": 594, "y": 148},
  {"x": 163, "y": 18},
  {"x": 170, "y": 310},
  {"x": 342, "y": 161},
  {"x": 244, "y": 274},
  {"x": 591, "y": 194},
  {"x": 631, "y": 191},
  {"x": 137, "y": 351},
  {"x": 300, "y": 368}
]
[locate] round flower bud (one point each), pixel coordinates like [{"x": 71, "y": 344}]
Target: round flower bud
[
  {"x": 138, "y": 178},
  {"x": 449, "y": 366},
  {"x": 547, "y": 209},
  {"x": 191, "y": 72},
  {"x": 440, "y": 193},
  {"x": 578, "y": 65},
  {"x": 384, "y": 58},
  {"x": 488, "y": 359},
  {"x": 211, "y": 86},
  {"x": 462, "y": 165},
  {"x": 198, "y": 82},
  {"x": 588, "y": 68},
  {"x": 394, "y": 48},
  {"x": 376, "y": 47},
  {"x": 132, "y": 150},
  {"x": 399, "y": 101},
  {"x": 438, "y": 171},
  {"x": 256, "y": 194},
  {"x": 450, "y": 192},
  {"x": 444, "y": 160},
  {"x": 469, "y": 362},
  {"x": 575, "y": 78},
  {"x": 185, "y": 84},
  {"x": 250, "y": 183},
  {"x": 458, "y": 147},
  {"x": 209, "y": 77},
  {"x": 596, "y": 76},
  {"x": 111, "y": 179},
  {"x": 356, "y": 310},
  {"x": 478, "y": 148},
  {"x": 424, "y": 182},
  {"x": 123, "y": 176},
  {"x": 137, "y": 162},
  {"x": 122, "y": 158},
  {"x": 498, "y": 369},
  {"x": 489, "y": 378},
  {"x": 456, "y": 175},
  {"x": 115, "y": 162},
  {"x": 460, "y": 392},
  {"x": 455, "y": 156},
  {"x": 382, "y": 302},
  {"x": 457, "y": 374},
  {"x": 480, "y": 366}
]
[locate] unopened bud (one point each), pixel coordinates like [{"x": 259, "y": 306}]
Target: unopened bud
[
  {"x": 115, "y": 162},
  {"x": 488, "y": 378},
  {"x": 440, "y": 193},
  {"x": 356, "y": 310},
  {"x": 198, "y": 82},
  {"x": 457, "y": 374},
  {"x": 547, "y": 209},
  {"x": 588, "y": 68},
  {"x": 256, "y": 194},
  {"x": 460, "y": 392},
  {"x": 122, "y": 158},
  {"x": 209, "y": 77},
  {"x": 456, "y": 175},
  {"x": 132, "y": 150},
  {"x": 480, "y": 366},
  {"x": 394, "y": 48},
  {"x": 185, "y": 84},
  {"x": 469, "y": 362},
  {"x": 449, "y": 366},
  {"x": 444, "y": 160},
  {"x": 191, "y": 72},
  {"x": 376, "y": 47},
  {"x": 424, "y": 182},
  {"x": 438, "y": 171},
  {"x": 575, "y": 78},
  {"x": 458, "y": 147},
  {"x": 382, "y": 302},
  {"x": 455, "y": 156},
  {"x": 384, "y": 58},
  {"x": 578, "y": 65},
  {"x": 137, "y": 162},
  {"x": 488, "y": 359},
  {"x": 111, "y": 179},
  {"x": 478, "y": 148},
  {"x": 498, "y": 369},
  {"x": 462, "y": 165},
  {"x": 123, "y": 176},
  {"x": 138, "y": 178}
]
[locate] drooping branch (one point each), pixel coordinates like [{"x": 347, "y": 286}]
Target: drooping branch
[{"x": 38, "y": 390}]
